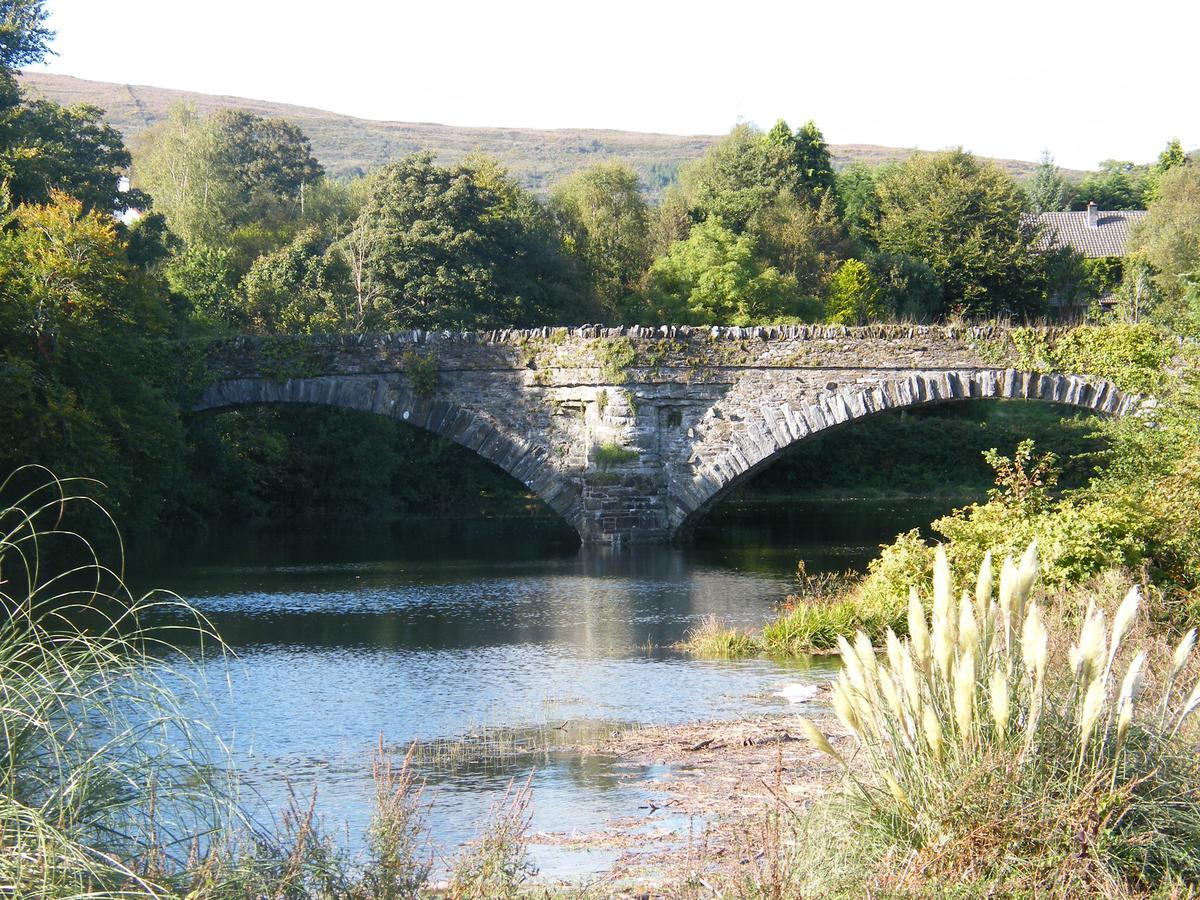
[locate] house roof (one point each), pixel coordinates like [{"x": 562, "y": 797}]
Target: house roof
[{"x": 1108, "y": 237}]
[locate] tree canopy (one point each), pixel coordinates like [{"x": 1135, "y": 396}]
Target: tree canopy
[
  {"x": 714, "y": 277},
  {"x": 965, "y": 219},
  {"x": 605, "y": 223},
  {"x": 24, "y": 37},
  {"x": 213, "y": 175},
  {"x": 461, "y": 247}
]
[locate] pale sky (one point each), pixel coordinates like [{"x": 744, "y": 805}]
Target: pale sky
[{"x": 1086, "y": 80}]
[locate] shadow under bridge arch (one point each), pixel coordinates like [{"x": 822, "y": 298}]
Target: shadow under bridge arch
[
  {"x": 730, "y": 450},
  {"x": 524, "y": 460}
]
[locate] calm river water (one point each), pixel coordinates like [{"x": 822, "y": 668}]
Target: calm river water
[{"x": 502, "y": 632}]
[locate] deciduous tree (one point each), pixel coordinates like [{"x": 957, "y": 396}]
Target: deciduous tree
[
  {"x": 1169, "y": 237},
  {"x": 714, "y": 277},
  {"x": 605, "y": 223},
  {"x": 462, "y": 247},
  {"x": 965, "y": 219}
]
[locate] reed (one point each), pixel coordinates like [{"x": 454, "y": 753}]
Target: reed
[
  {"x": 714, "y": 639},
  {"x": 106, "y": 785},
  {"x": 987, "y": 757}
]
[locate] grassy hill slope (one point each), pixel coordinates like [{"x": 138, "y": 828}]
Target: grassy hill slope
[{"x": 347, "y": 145}]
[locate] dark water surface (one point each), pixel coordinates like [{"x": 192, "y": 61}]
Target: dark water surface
[{"x": 506, "y": 634}]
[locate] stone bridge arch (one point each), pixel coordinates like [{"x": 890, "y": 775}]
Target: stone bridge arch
[
  {"x": 729, "y": 453},
  {"x": 394, "y": 398},
  {"x": 630, "y": 434}
]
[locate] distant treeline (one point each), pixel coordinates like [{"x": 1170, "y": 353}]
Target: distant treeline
[{"x": 240, "y": 232}]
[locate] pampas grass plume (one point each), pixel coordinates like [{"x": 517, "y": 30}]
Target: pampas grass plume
[
  {"x": 998, "y": 689},
  {"x": 918, "y": 631}
]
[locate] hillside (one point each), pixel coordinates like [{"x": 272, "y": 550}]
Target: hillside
[{"x": 347, "y": 145}]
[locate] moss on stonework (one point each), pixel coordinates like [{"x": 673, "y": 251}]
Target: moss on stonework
[
  {"x": 611, "y": 454},
  {"x": 286, "y": 358}
]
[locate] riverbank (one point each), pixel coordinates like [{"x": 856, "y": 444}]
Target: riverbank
[{"x": 720, "y": 787}]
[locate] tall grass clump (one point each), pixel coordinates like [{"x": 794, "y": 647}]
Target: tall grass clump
[
  {"x": 399, "y": 858},
  {"x": 828, "y": 605},
  {"x": 996, "y": 752},
  {"x": 714, "y": 639},
  {"x": 496, "y": 864},
  {"x": 106, "y": 786}
]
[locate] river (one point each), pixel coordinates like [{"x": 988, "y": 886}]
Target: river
[{"x": 490, "y": 643}]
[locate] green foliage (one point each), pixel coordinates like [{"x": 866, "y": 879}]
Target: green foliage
[
  {"x": 1048, "y": 190},
  {"x": 615, "y": 356},
  {"x": 730, "y": 182},
  {"x": 859, "y": 199},
  {"x": 1169, "y": 236},
  {"x": 605, "y": 223},
  {"x": 1118, "y": 185},
  {"x": 231, "y": 170},
  {"x": 1133, "y": 357},
  {"x": 965, "y": 220},
  {"x": 1024, "y": 481},
  {"x": 745, "y": 172},
  {"x": 24, "y": 37},
  {"x": 87, "y": 378},
  {"x": 1172, "y": 157},
  {"x": 46, "y": 148},
  {"x": 714, "y": 277},
  {"x": 814, "y": 162},
  {"x": 462, "y": 247},
  {"x": 610, "y": 455},
  {"x": 1104, "y": 274},
  {"x": 205, "y": 276},
  {"x": 805, "y": 242},
  {"x": 908, "y": 288},
  {"x": 301, "y": 288},
  {"x": 855, "y": 297},
  {"x": 422, "y": 372}
]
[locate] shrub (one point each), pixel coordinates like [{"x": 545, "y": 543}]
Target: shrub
[
  {"x": 422, "y": 372},
  {"x": 988, "y": 759}
]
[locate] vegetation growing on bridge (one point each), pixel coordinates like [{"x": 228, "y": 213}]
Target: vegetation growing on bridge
[{"x": 422, "y": 372}]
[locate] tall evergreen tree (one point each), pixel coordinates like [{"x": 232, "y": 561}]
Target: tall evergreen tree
[
  {"x": 1048, "y": 190},
  {"x": 816, "y": 163}
]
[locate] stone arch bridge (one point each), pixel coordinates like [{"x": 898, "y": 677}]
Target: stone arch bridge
[{"x": 630, "y": 434}]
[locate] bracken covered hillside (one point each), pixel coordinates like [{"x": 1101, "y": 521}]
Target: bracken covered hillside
[{"x": 347, "y": 145}]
